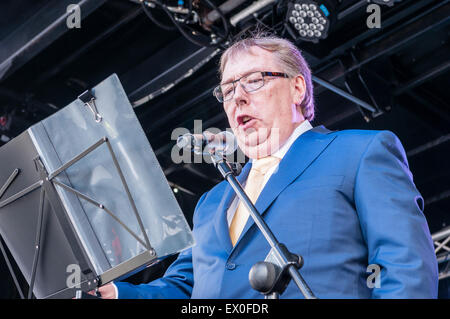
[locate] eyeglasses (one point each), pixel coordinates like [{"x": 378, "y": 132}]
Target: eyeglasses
[{"x": 250, "y": 82}]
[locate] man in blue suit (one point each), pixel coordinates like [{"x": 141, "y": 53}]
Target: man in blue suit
[{"x": 345, "y": 201}]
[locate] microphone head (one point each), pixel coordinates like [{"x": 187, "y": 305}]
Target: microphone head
[
  {"x": 224, "y": 143},
  {"x": 230, "y": 143},
  {"x": 184, "y": 141}
]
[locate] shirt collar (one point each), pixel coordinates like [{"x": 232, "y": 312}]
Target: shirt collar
[{"x": 299, "y": 130}]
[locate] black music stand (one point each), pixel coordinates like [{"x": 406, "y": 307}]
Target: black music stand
[
  {"x": 66, "y": 239},
  {"x": 83, "y": 200}
]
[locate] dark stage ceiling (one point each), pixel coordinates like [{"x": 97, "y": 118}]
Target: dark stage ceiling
[{"x": 400, "y": 69}]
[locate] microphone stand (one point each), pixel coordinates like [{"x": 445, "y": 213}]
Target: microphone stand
[{"x": 272, "y": 276}]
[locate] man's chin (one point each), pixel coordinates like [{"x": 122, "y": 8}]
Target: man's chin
[
  {"x": 253, "y": 138},
  {"x": 257, "y": 151},
  {"x": 260, "y": 146}
]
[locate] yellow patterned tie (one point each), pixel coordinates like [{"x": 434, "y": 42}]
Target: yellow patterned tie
[{"x": 253, "y": 187}]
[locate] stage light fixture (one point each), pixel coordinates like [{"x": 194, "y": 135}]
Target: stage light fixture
[{"x": 310, "y": 20}]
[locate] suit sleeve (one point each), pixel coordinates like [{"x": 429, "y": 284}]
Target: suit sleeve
[
  {"x": 390, "y": 211},
  {"x": 177, "y": 282}
]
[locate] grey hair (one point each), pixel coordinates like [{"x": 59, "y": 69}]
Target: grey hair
[{"x": 286, "y": 54}]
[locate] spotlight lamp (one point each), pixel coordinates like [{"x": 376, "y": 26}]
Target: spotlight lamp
[{"x": 310, "y": 20}]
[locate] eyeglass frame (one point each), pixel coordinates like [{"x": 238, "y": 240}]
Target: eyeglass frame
[{"x": 263, "y": 73}]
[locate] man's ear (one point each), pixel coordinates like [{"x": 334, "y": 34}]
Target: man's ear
[{"x": 299, "y": 89}]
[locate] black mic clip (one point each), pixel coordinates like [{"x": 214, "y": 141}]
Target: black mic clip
[
  {"x": 271, "y": 276},
  {"x": 235, "y": 167}
]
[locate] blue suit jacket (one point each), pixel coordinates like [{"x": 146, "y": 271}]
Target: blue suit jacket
[{"x": 342, "y": 200}]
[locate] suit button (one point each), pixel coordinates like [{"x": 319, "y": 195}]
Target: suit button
[{"x": 230, "y": 266}]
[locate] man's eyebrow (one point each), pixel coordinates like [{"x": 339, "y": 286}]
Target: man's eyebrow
[{"x": 241, "y": 75}]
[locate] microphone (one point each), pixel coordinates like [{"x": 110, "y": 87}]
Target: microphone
[{"x": 223, "y": 143}]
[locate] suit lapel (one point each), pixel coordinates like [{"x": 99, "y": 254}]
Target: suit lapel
[
  {"x": 301, "y": 154},
  {"x": 221, "y": 222}
]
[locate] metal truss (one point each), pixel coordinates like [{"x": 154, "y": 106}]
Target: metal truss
[{"x": 441, "y": 240}]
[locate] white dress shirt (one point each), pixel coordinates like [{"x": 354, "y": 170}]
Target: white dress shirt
[{"x": 299, "y": 130}]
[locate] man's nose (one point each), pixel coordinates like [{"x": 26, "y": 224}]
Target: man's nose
[{"x": 240, "y": 96}]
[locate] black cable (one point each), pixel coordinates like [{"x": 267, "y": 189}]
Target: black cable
[
  {"x": 223, "y": 18},
  {"x": 184, "y": 33},
  {"x": 180, "y": 28},
  {"x": 159, "y": 24},
  {"x": 190, "y": 8}
]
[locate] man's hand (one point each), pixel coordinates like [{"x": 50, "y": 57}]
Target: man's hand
[{"x": 107, "y": 291}]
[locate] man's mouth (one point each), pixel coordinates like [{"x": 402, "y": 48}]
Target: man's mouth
[{"x": 245, "y": 121}]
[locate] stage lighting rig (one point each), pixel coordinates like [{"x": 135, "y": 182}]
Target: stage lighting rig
[
  {"x": 182, "y": 12},
  {"x": 187, "y": 17},
  {"x": 388, "y": 3},
  {"x": 310, "y": 20}
]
